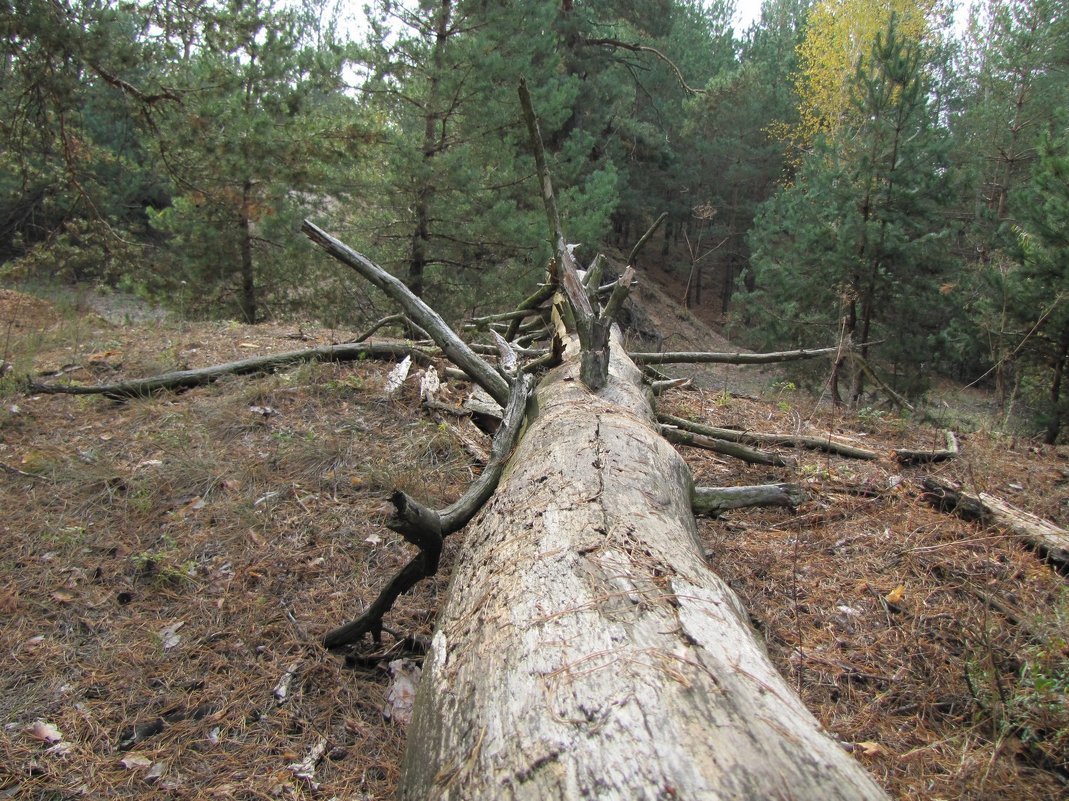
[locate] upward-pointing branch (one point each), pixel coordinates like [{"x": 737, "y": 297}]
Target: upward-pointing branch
[
  {"x": 592, "y": 328},
  {"x": 419, "y": 312}
]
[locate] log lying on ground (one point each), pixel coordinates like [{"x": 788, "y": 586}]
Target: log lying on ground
[
  {"x": 1047, "y": 539},
  {"x": 685, "y": 357},
  {"x": 586, "y": 651},
  {"x": 712, "y": 501},
  {"x": 826, "y": 444},
  {"x": 187, "y": 379},
  {"x": 910, "y": 457},
  {"x": 738, "y": 451}
]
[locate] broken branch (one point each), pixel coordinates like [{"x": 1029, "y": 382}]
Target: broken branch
[
  {"x": 749, "y": 455},
  {"x": 826, "y": 444},
  {"x": 712, "y": 501},
  {"x": 181, "y": 380},
  {"x": 427, "y": 528},
  {"x": 1050, "y": 541},
  {"x": 419, "y": 312}
]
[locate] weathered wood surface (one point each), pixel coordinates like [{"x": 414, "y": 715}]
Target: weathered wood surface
[
  {"x": 1050, "y": 541},
  {"x": 716, "y": 445},
  {"x": 828, "y": 444},
  {"x": 711, "y": 501},
  {"x": 908, "y": 458},
  {"x": 187, "y": 379},
  {"x": 686, "y": 357},
  {"x": 587, "y": 651}
]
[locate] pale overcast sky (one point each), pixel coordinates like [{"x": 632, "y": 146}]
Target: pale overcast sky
[{"x": 746, "y": 11}]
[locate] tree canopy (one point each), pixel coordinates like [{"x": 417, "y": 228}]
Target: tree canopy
[{"x": 840, "y": 170}]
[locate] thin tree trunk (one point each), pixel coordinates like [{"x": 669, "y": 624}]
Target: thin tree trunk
[
  {"x": 248, "y": 275},
  {"x": 1054, "y": 426},
  {"x": 433, "y": 143}
]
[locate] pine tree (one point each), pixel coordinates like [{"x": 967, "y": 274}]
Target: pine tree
[
  {"x": 253, "y": 145},
  {"x": 77, "y": 85},
  {"x": 852, "y": 250},
  {"x": 1040, "y": 288},
  {"x": 1010, "y": 86}
]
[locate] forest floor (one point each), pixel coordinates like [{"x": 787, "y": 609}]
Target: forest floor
[{"x": 169, "y": 565}]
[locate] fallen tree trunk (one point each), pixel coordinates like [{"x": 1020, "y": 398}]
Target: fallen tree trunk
[
  {"x": 1047, "y": 539},
  {"x": 187, "y": 379},
  {"x": 907, "y": 458},
  {"x": 712, "y": 501},
  {"x": 686, "y": 357},
  {"x": 826, "y": 444},
  {"x": 586, "y": 650}
]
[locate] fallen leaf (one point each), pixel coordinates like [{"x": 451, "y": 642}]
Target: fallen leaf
[
  {"x": 46, "y": 732},
  {"x": 871, "y": 748},
  {"x": 896, "y": 595},
  {"x": 169, "y": 636},
  {"x": 62, "y": 748},
  {"x": 135, "y": 761},
  {"x": 373, "y": 539}
]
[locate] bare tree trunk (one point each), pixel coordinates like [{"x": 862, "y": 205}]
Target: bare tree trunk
[
  {"x": 433, "y": 143},
  {"x": 248, "y": 275},
  {"x": 1054, "y": 425},
  {"x": 586, "y": 651}
]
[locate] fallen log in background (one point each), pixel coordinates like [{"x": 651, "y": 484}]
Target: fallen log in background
[
  {"x": 907, "y": 457},
  {"x": 686, "y": 357},
  {"x": 586, "y": 650},
  {"x": 1050, "y": 541},
  {"x": 826, "y": 444},
  {"x": 187, "y": 379},
  {"x": 734, "y": 449}
]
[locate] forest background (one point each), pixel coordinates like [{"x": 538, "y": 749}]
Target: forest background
[{"x": 840, "y": 172}]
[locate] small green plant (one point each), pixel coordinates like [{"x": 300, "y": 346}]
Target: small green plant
[
  {"x": 1032, "y": 703},
  {"x": 869, "y": 416},
  {"x": 723, "y": 400},
  {"x": 783, "y": 390},
  {"x": 161, "y": 563}
]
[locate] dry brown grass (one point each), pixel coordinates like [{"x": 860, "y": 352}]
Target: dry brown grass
[{"x": 252, "y": 530}]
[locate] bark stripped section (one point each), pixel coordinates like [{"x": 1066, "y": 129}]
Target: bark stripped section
[{"x": 586, "y": 651}]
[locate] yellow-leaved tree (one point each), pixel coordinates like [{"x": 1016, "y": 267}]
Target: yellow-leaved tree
[{"x": 838, "y": 33}]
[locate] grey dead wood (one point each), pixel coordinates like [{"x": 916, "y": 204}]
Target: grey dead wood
[
  {"x": 427, "y": 528},
  {"x": 187, "y": 379},
  {"x": 725, "y": 447},
  {"x": 912, "y": 457},
  {"x": 454, "y": 348},
  {"x": 713, "y": 501},
  {"x": 587, "y": 651},
  {"x": 687, "y": 357},
  {"x": 1047, "y": 539},
  {"x": 827, "y": 444}
]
